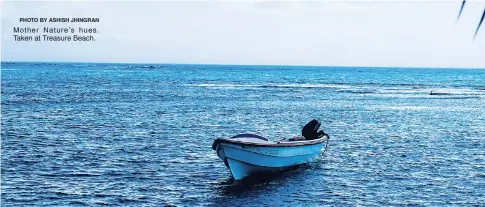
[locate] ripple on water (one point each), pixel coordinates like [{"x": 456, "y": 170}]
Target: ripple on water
[{"x": 85, "y": 135}]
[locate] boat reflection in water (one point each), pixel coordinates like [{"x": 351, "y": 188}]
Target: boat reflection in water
[{"x": 250, "y": 154}]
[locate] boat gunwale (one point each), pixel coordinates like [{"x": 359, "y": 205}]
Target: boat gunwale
[{"x": 275, "y": 144}]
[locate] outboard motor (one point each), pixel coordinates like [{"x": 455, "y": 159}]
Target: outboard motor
[{"x": 310, "y": 130}]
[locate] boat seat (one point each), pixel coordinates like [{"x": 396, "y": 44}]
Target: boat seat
[
  {"x": 249, "y": 136},
  {"x": 297, "y": 138}
]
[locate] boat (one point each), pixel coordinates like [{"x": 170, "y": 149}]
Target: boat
[{"x": 248, "y": 155}]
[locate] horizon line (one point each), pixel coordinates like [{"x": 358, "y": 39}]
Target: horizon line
[{"x": 235, "y": 64}]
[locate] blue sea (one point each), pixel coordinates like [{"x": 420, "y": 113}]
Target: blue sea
[{"x": 89, "y": 134}]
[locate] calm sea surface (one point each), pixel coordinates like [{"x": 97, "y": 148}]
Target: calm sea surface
[{"x": 141, "y": 135}]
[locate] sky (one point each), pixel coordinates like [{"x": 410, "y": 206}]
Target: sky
[{"x": 326, "y": 33}]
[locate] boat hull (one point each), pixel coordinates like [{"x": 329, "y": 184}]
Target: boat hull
[
  {"x": 246, "y": 159},
  {"x": 241, "y": 170}
]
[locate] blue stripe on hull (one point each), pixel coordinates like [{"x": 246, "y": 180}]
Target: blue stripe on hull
[
  {"x": 277, "y": 151},
  {"x": 271, "y": 160}
]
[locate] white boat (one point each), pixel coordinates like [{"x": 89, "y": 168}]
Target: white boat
[{"x": 250, "y": 154}]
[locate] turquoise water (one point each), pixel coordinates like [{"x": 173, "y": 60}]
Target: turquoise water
[{"x": 141, "y": 135}]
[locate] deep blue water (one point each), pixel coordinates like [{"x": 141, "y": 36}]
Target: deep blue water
[{"x": 141, "y": 135}]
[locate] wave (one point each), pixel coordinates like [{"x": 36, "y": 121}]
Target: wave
[
  {"x": 81, "y": 65},
  {"x": 137, "y": 66},
  {"x": 271, "y": 85},
  {"x": 397, "y": 90},
  {"x": 455, "y": 91},
  {"x": 422, "y": 108}
]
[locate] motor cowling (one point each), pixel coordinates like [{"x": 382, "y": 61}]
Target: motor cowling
[{"x": 310, "y": 130}]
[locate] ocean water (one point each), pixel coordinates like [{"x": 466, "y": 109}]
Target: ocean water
[{"x": 77, "y": 134}]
